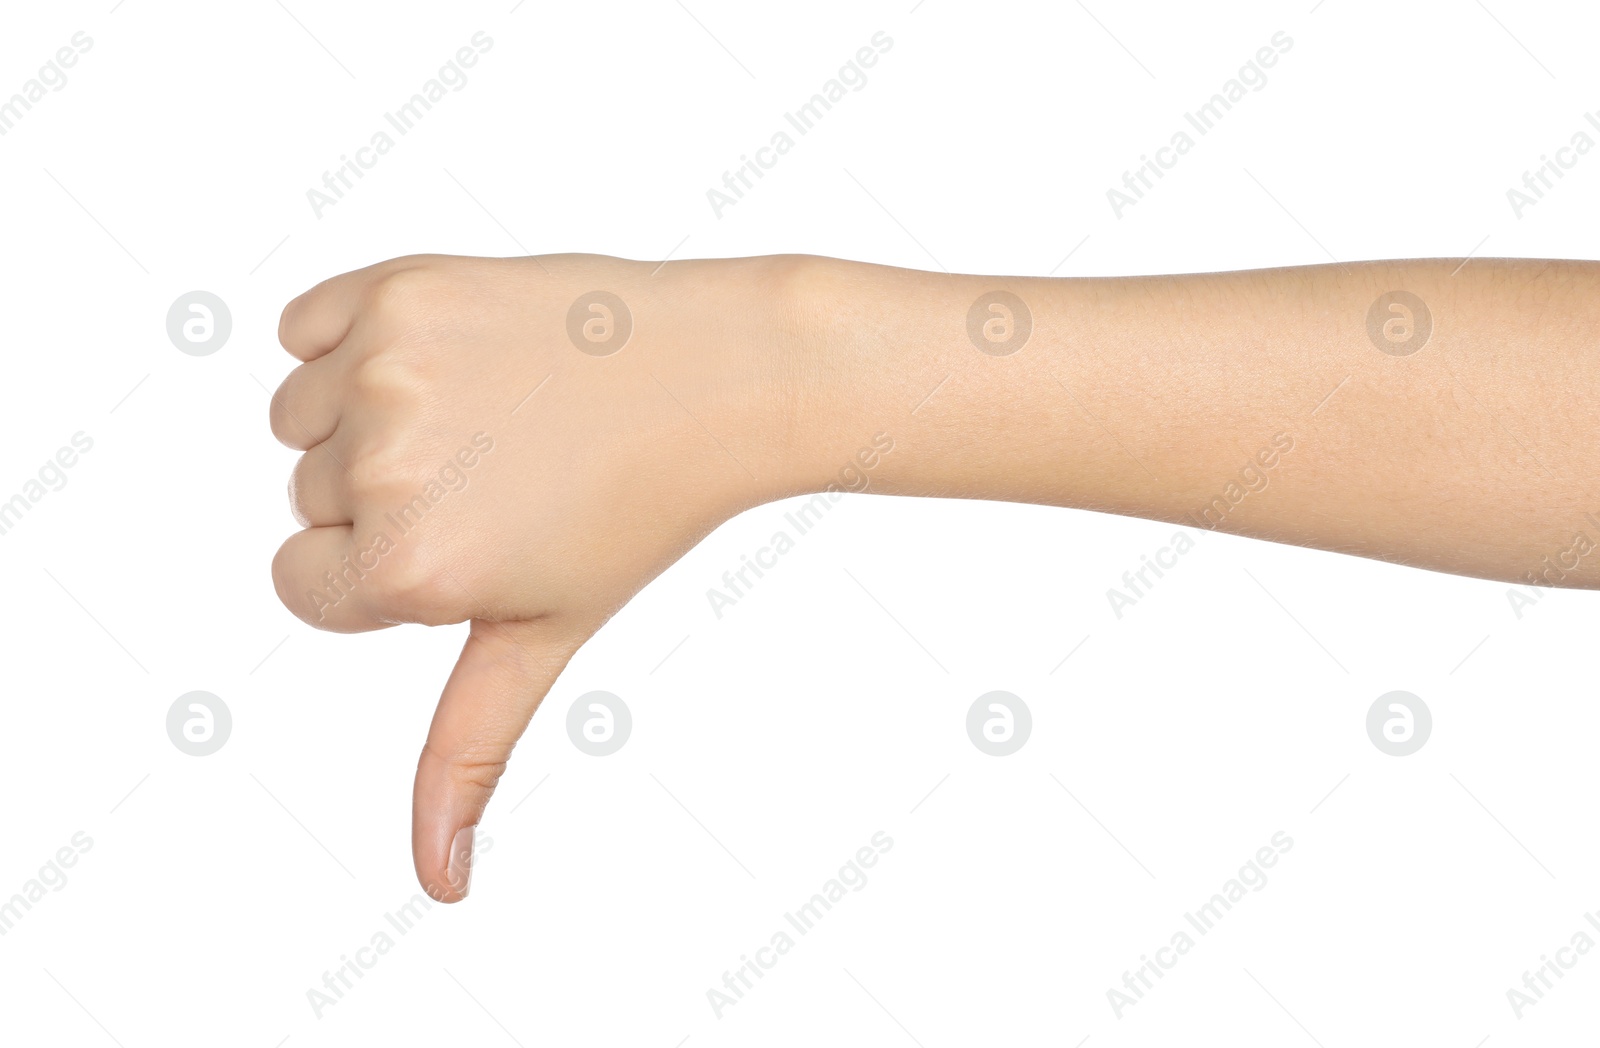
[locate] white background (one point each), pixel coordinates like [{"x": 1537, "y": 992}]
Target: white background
[{"x": 769, "y": 745}]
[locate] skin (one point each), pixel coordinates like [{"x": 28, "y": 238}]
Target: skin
[{"x": 1257, "y": 403}]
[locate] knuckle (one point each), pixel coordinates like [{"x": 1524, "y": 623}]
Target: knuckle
[
  {"x": 474, "y": 763},
  {"x": 394, "y": 378},
  {"x": 365, "y": 483},
  {"x": 284, "y": 583},
  {"x": 381, "y": 470},
  {"x": 315, "y": 480},
  {"x": 411, "y": 584},
  {"x": 402, "y": 291},
  {"x": 298, "y": 487},
  {"x": 281, "y": 416},
  {"x": 287, "y": 320},
  {"x": 280, "y": 575},
  {"x": 484, "y": 774}
]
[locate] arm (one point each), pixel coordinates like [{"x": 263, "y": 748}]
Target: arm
[
  {"x": 524, "y": 443},
  {"x": 1258, "y": 403}
]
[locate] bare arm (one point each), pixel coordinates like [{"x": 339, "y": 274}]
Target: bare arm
[
  {"x": 524, "y": 443},
  {"x": 1453, "y": 426}
]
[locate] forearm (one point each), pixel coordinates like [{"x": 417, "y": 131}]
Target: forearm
[{"x": 1256, "y": 403}]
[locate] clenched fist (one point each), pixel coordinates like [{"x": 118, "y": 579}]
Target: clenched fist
[{"x": 520, "y": 444}]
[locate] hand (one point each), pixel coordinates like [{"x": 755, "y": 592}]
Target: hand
[{"x": 483, "y": 444}]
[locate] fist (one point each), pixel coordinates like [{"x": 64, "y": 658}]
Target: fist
[{"x": 520, "y": 444}]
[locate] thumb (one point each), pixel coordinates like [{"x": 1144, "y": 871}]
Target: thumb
[{"x": 503, "y": 673}]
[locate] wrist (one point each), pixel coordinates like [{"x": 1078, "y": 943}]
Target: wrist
[
  {"x": 874, "y": 353},
  {"x": 936, "y": 384},
  {"x": 842, "y": 351}
]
